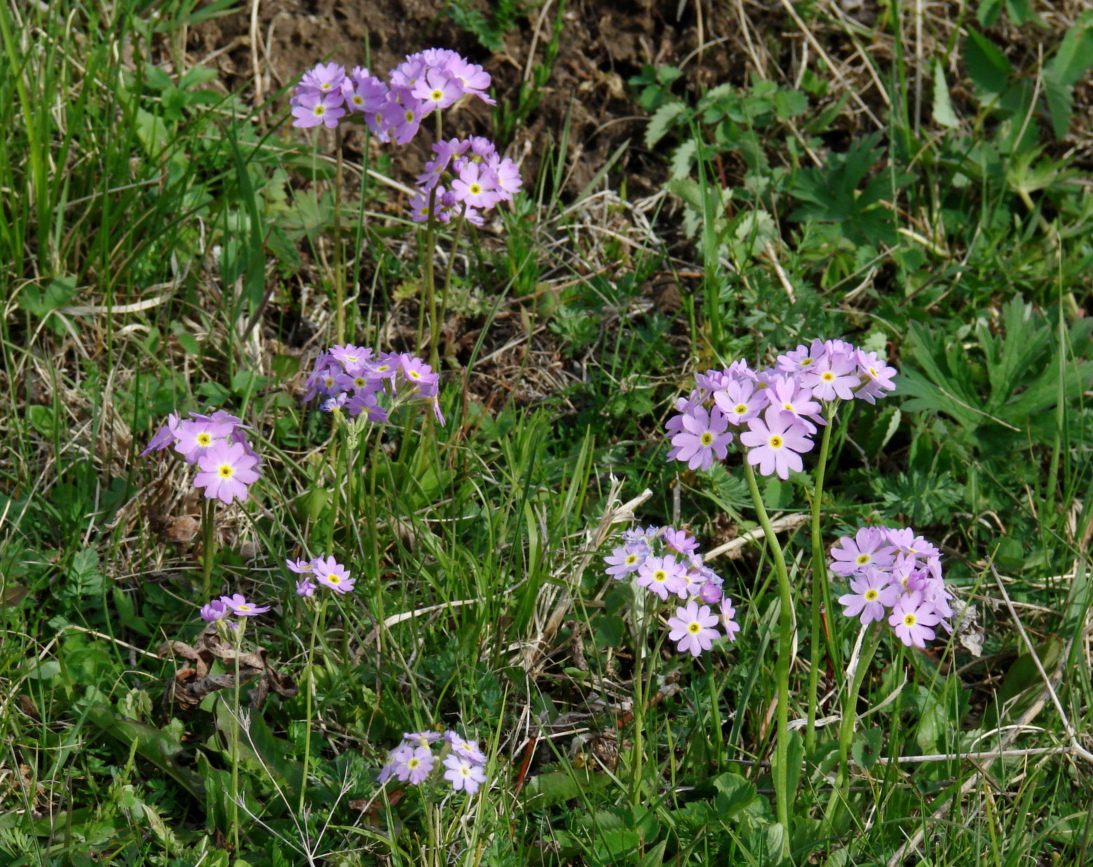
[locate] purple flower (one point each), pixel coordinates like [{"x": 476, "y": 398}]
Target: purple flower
[
  {"x": 436, "y": 89},
  {"x": 692, "y": 628},
  {"x": 465, "y": 749},
  {"x": 875, "y": 374},
  {"x": 164, "y": 437},
  {"x": 867, "y": 548},
  {"x": 396, "y": 758},
  {"x": 330, "y": 573},
  {"x": 662, "y": 575},
  {"x": 726, "y": 616},
  {"x": 775, "y": 443},
  {"x": 463, "y": 774},
  {"x": 740, "y": 401},
  {"x": 240, "y": 607},
  {"x": 194, "y": 438},
  {"x": 679, "y": 540},
  {"x": 802, "y": 359},
  {"x": 626, "y": 559},
  {"x": 413, "y": 766},
  {"x": 476, "y": 186},
  {"x": 316, "y": 107},
  {"x": 833, "y": 376},
  {"x": 214, "y": 610},
  {"x": 324, "y": 78},
  {"x": 703, "y": 438},
  {"x": 226, "y": 471},
  {"x": 873, "y": 593},
  {"x": 421, "y": 739},
  {"x": 305, "y": 587},
  {"x": 912, "y": 618}
]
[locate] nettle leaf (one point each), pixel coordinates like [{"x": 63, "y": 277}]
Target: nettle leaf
[
  {"x": 663, "y": 121},
  {"x": 682, "y": 159},
  {"x": 1065, "y": 69},
  {"x": 943, "y": 104},
  {"x": 988, "y": 67}
]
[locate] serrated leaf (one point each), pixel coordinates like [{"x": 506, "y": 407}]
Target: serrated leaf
[
  {"x": 662, "y": 121},
  {"x": 682, "y": 159},
  {"x": 987, "y": 66},
  {"x": 943, "y": 104}
]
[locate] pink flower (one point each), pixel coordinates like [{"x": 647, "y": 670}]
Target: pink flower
[
  {"x": 662, "y": 575},
  {"x": 330, "y": 573},
  {"x": 775, "y": 443},
  {"x": 868, "y": 548},
  {"x": 226, "y": 471},
  {"x": 215, "y": 610},
  {"x": 476, "y": 186},
  {"x": 626, "y": 559},
  {"x": 833, "y": 376},
  {"x": 704, "y": 437},
  {"x": 692, "y": 628},
  {"x": 316, "y": 107},
  {"x": 463, "y": 774},
  {"x": 194, "y": 438},
  {"x": 414, "y": 765},
  {"x": 740, "y": 401},
  {"x": 240, "y": 607},
  {"x": 912, "y": 618},
  {"x": 873, "y": 593},
  {"x": 727, "y": 616}
]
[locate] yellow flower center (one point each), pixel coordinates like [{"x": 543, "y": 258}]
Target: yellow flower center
[
  {"x": 863, "y": 559},
  {"x": 827, "y": 376},
  {"x": 740, "y": 408},
  {"x": 908, "y": 620},
  {"x": 694, "y": 627},
  {"x": 660, "y": 575},
  {"x": 436, "y": 95},
  {"x": 706, "y": 438},
  {"x": 225, "y": 471},
  {"x": 204, "y": 439},
  {"x": 871, "y": 594},
  {"x": 475, "y": 189},
  {"x": 319, "y": 110},
  {"x": 776, "y": 442}
]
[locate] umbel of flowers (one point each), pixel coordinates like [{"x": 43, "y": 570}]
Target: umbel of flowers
[
  {"x": 217, "y": 445},
  {"x": 666, "y": 562},
  {"x": 894, "y": 574},
  {"x": 467, "y": 176},
  {"x": 775, "y": 411},
  {"x": 353, "y": 378},
  {"x": 412, "y": 761}
]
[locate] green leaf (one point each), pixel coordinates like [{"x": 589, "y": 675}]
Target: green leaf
[
  {"x": 84, "y": 577},
  {"x": 867, "y": 747},
  {"x": 1075, "y": 54},
  {"x": 43, "y": 419},
  {"x": 943, "y": 104},
  {"x": 987, "y": 66},
  {"x": 662, "y": 121}
]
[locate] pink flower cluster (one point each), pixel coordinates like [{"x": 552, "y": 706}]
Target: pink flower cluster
[
  {"x": 413, "y": 760},
  {"x": 217, "y": 444},
  {"x": 776, "y": 410},
  {"x": 478, "y": 179},
  {"x": 665, "y": 561},
  {"x": 352, "y": 378},
  {"x": 225, "y": 606},
  {"x": 897, "y": 574},
  {"x": 425, "y": 82},
  {"x": 324, "y": 570}
]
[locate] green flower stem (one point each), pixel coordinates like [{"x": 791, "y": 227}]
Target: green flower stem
[
  {"x": 316, "y": 621},
  {"x": 339, "y": 247},
  {"x": 240, "y": 628},
  {"x": 208, "y": 546},
  {"x": 435, "y": 322},
  {"x": 821, "y": 592},
  {"x": 638, "y": 752},
  {"x": 782, "y": 795},
  {"x": 860, "y": 657}
]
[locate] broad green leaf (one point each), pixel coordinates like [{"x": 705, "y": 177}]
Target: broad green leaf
[
  {"x": 987, "y": 66},
  {"x": 943, "y": 104}
]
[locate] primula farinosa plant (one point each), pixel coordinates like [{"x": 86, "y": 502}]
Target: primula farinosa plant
[
  {"x": 893, "y": 574},
  {"x": 354, "y": 379},
  {"x": 413, "y": 761},
  {"x": 664, "y": 562},
  {"x": 774, "y": 415},
  {"x": 227, "y": 465},
  {"x": 465, "y": 179},
  {"x": 774, "y": 412}
]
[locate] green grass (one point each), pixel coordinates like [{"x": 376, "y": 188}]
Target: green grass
[{"x": 168, "y": 248}]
